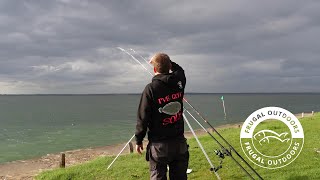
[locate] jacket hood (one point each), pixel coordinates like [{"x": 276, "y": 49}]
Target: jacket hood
[{"x": 168, "y": 79}]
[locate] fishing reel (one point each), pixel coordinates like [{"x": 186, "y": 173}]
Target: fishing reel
[
  {"x": 216, "y": 168},
  {"x": 221, "y": 154}
]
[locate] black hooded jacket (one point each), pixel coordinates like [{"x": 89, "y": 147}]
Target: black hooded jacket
[{"x": 161, "y": 107}]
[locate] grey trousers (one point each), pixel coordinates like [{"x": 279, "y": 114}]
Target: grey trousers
[{"x": 172, "y": 153}]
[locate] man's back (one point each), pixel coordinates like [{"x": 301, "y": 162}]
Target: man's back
[
  {"x": 161, "y": 106},
  {"x": 160, "y": 112}
]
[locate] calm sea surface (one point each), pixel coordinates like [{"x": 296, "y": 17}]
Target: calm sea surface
[{"x": 32, "y": 126}]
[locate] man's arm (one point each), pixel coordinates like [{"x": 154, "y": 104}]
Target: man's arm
[
  {"x": 143, "y": 117},
  {"x": 179, "y": 72},
  {"x": 175, "y": 67}
]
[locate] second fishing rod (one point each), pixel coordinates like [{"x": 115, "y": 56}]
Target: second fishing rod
[
  {"x": 224, "y": 150},
  {"x": 224, "y": 140}
]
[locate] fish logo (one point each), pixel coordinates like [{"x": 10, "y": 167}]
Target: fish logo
[
  {"x": 264, "y": 136},
  {"x": 276, "y": 143},
  {"x": 171, "y": 108}
]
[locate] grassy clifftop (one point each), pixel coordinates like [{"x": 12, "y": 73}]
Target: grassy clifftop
[{"x": 134, "y": 166}]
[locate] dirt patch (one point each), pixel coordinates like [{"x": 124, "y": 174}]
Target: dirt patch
[{"x": 27, "y": 169}]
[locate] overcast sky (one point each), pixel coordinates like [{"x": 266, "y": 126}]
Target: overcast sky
[{"x": 66, "y": 46}]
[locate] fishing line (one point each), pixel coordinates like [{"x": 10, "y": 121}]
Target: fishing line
[
  {"x": 204, "y": 152},
  {"x": 141, "y": 56},
  {"x": 135, "y": 59},
  {"x": 198, "y": 113}
]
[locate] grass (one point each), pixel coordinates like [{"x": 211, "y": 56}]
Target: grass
[{"x": 134, "y": 166}]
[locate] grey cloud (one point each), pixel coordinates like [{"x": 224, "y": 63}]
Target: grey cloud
[{"x": 225, "y": 46}]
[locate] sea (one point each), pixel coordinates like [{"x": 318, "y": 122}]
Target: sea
[{"x": 36, "y": 125}]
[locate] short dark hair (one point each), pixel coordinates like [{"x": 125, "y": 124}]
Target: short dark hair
[{"x": 161, "y": 62}]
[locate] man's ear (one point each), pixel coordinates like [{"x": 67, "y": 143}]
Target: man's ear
[{"x": 154, "y": 70}]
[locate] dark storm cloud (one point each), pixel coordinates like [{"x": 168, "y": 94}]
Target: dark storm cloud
[{"x": 66, "y": 46}]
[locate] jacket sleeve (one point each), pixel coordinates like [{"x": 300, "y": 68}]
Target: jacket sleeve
[
  {"x": 179, "y": 72},
  {"x": 144, "y": 115}
]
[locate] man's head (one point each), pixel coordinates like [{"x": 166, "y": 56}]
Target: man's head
[{"x": 161, "y": 63}]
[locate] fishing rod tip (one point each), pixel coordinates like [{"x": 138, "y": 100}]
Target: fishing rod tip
[{"x": 120, "y": 48}]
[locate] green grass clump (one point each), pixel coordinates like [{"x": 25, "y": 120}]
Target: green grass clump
[{"x": 134, "y": 166}]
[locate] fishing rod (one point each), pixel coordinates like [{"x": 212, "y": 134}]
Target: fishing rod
[
  {"x": 201, "y": 147},
  {"x": 121, "y": 151},
  {"x": 213, "y": 168},
  {"x": 219, "y": 153},
  {"x": 230, "y": 146},
  {"x": 227, "y": 152},
  {"x": 194, "y": 134}
]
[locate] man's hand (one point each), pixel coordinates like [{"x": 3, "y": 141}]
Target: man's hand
[{"x": 139, "y": 148}]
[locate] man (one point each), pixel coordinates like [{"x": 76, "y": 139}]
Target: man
[{"x": 160, "y": 112}]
